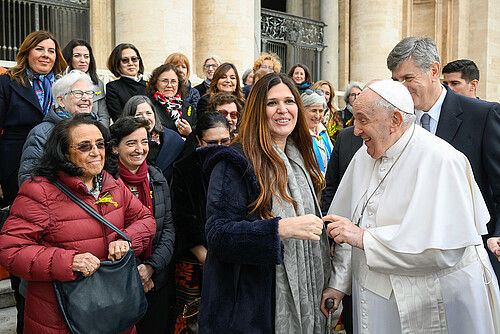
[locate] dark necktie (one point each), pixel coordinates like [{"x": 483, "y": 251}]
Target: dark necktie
[{"x": 425, "y": 120}]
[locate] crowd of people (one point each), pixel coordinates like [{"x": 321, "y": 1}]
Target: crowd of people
[{"x": 256, "y": 198}]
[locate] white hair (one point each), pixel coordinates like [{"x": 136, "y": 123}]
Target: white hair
[{"x": 64, "y": 83}]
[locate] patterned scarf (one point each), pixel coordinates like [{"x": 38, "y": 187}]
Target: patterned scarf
[
  {"x": 173, "y": 105},
  {"x": 42, "y": 85},
  {"x": 62, "y": 113},
  {"x": 140, "y": 179}
]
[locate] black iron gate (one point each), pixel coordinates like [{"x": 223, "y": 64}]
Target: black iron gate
[
  {"x": 66, "y": 19},
  {"x": 294, "y": 39}
]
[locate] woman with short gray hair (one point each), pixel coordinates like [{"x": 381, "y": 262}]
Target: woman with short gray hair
[
  {"x": 72, "y": 95},
  {"x": 352, "y": 91}
]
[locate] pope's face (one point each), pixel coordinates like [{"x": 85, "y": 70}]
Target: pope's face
[{"x": 372, "y": 125}]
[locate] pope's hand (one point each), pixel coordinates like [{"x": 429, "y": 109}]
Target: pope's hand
[
  {"x": 308, "y": 227},
  {"x": 494, "y": 246},
  {"x": 336, "y": 295},
  {"x": 342, "y": 230}
]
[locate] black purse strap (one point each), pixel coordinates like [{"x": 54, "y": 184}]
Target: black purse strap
[{"x": 89, "y": 209}]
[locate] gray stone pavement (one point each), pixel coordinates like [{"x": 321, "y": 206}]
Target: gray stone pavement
[{"x": 8, "y": 320}]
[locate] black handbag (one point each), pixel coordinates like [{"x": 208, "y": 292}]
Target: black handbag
[{"x": 111, "y": 300}]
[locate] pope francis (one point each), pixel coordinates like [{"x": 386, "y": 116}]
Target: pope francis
[{"x": 407, "y": 220}]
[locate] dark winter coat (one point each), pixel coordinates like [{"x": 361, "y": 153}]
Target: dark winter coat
[
  {"x": 189, "y": 200},
  {"x": 118, "y": 92},
  {"x": 193, "y": 96},
  {"x": 202, "y": 88},
  {"x": 243, "y": 250},
  {"x": 164, "y": 238},
  {"x": 35, "y": 145},
  {"x": 46, "y": 229},
  {"x": 20, "y": 112},
  {"x": 171, "y": 148}
]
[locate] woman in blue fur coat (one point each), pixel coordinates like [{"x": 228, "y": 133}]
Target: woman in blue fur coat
[{"x": 268, "y": 255}]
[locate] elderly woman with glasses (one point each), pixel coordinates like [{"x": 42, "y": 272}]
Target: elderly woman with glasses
[
  {"x": 228, "y": 105},
  {"x": 168, "y": 92},
  {"x": 126, "y": 64},
  {"x": 49, "y": 237},
  {"x": 79, "y": 56},
  {"x": 314, "y": 108},
  {"x": 73, "y": 95},
  {"x": 210, "y": 64}
]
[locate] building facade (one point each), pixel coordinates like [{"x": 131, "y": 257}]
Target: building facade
[{"x": 341, "y": 40}]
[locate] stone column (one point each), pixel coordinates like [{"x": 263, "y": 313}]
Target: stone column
[
  {"x": 102, "y": 31},
  {"x": 295, "y": 7},
  {"x": 484, "y": 46},
  {"x": 156, "y": 27},
  {"x": 375, "y": 29},
  {"x": 330, "y": 55},
  {"x": 225, "y": 28}
]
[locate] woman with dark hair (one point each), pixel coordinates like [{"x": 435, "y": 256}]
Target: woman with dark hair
[
  {"x": 49, "y": 237},
  {"x": 268, "y": 258},
  {"x": 225, "y": 79},
  {"x": 161, "y": 154},
  {"x": 129, "y": 139},
  {"x": 301, "y": 76},
  {"x": 78, "y": 54},
  {"x": 181, "y": 62},
  {"x": 126, "y": 64},
  {"x": 189, "y": 197},
  {"x": 228, "y": 105},
  {"x": 25, "y": 99},
  {"x": 168, "y": 91}
]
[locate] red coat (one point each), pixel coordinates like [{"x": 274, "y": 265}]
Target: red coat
[{"x": 46, "y": 229}]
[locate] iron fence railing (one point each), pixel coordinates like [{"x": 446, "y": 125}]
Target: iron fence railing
[
  {"x": 294, "y": 39},
  {"x": 66, "y": 19}
]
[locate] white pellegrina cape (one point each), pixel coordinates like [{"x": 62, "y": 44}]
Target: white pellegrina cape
[{"x": 423, "y": 249}]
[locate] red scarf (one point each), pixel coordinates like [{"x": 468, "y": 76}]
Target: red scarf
[{"x": 141, "y": 181}]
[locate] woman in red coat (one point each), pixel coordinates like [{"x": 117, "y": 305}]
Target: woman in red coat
[{"x": 49, "y": 237}]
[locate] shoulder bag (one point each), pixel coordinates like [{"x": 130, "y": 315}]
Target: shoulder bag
[{"x": 111, "y": 300}]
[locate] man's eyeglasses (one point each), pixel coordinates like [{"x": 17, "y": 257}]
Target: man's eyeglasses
[
  {"x": 318, "y": 91},
  {"x": 223, "y": 141},
  {"x": 214, "y": 66},
  {"x": 232, "y": 114},
  {"x": 265, "y": 66},
  {"x": 87, "y": 147},
  {"x": 126, "y": 60},
  {"x": 79, "y": 93}
]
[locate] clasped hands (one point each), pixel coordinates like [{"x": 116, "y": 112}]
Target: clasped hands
[
  {"x": 87, "y": 263},
  {"x": 310, "y": 227}
]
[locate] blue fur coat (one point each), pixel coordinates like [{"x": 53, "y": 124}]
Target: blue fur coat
[{"x": 243, "y": 250}]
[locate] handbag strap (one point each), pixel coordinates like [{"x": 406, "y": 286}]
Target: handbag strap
[{"x": 89, "y": 209}]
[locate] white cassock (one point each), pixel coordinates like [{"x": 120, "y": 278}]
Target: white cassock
[{"x": 424, "y": 266}]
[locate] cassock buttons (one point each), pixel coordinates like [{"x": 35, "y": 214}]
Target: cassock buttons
[
  {"x": 370, "y": 214},
  {"x": 368, "y": 225},
  {"x": 382, "y": 169}
]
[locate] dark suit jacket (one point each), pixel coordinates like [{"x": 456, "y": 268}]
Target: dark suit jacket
[
  {"x": 170, "y": 151},
  {"x": 472, "y": 126},
  {"x": 346, "y": 145},
  {"x": 20, "y": 112},
  {"x": 119, "y": 91}
]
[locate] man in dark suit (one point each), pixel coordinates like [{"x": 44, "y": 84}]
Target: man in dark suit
[{"x": 470, "y": 125}]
